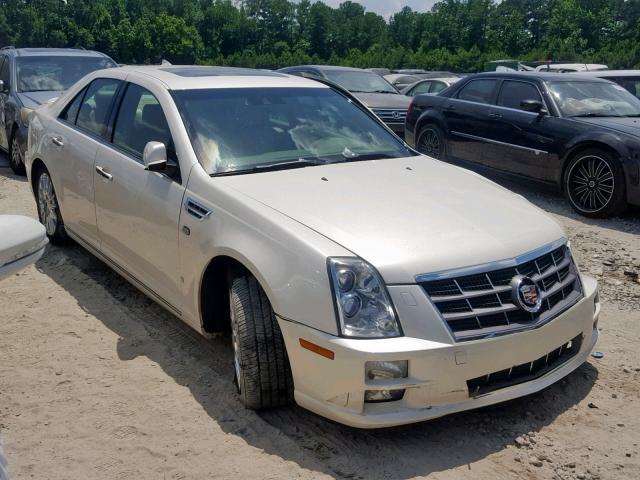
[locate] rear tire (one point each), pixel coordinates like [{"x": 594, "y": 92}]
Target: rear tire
[
  {"x": 48, "y": 208},
  {"x": 431, "y": 142},
  {"x": 262, "y": 370},
  {"x": 16, "y": 156},
  {"x": 594, "y": 184}
]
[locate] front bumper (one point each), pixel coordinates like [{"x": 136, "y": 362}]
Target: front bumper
[{"x": 438, "y": 370}]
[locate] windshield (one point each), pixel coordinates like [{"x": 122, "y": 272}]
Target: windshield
[
  {"x": 248, "y": 129},
  {"x": 360, "y": 82},
  {"x": 594, "y": 99},
  {"x": 56, "y": 73}
]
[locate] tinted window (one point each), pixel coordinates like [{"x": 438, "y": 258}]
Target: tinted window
[
  {"x": 421, "y": 88},
  {"x": 360, "y": 81},
  {"x": 437, "y": 87},
  {"x": 70, "y": 113},
  {"x": 513, "y": 93},
  {"x": 140, "y": 120},
  {"x": 56, "y": 73},
  {"x": 478, "y": 91},
  {"x": 4, "y": 72},
  {"x": 96, "y": 105},
  {"x": 631, "y": 84},
  {"x": 236, "y": 129}
]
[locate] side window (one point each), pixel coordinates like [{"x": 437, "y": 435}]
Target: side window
[
  {"x": 4, "y": 72},
  {"x": 631, "y": 84},
  {"x": 421, "y": 88},
  {"x": 96, "y": 105},
  {"x": 437, "y": 87},
  {"x": 141, "y": 120},
  {"x": 478, "y": 91},
  {"x": 513, "y": 93},
  {"x": 70, "y": 113}
]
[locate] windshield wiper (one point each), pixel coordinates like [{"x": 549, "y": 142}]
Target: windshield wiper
[
  {"x": 594, "y": 114},
  {"x": 269, "y": 167}
]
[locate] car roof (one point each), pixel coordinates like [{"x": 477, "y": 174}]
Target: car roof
[
  {"x": 543, "y": 76},
  {"x": 58, "y": 52},
  {"x": 329, "y": 67},
  {"x": 188, "y": 77},
  {"x": 612, "y": 73}
]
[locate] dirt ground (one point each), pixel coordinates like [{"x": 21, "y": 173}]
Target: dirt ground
[{"x": 98, "y": 382}]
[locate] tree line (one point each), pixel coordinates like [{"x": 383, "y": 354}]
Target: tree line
[{"x": 458, "y": 35}]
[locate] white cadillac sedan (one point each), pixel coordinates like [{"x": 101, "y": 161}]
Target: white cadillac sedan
[{"x": 373, "y": 285}]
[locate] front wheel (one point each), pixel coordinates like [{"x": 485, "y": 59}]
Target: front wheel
[
  {"x": 48, "y": 208},
  {"x": 431, "y": 142},
  {"x": 16, "y": 156},
  {"x": 594, "y": 184},
  {"x": 262, "y": 370}
]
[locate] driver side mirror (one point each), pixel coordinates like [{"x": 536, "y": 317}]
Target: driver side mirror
[
  {"x": 533, "y": 106},
  {"x": 155, "y": 157}
]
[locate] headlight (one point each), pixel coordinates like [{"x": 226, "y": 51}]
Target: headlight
[
  {"x": 25, "y": 113},
  {"x": 363, "y": 306}
]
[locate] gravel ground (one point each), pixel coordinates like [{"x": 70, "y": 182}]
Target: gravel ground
[{"x": 96, "y": 381}]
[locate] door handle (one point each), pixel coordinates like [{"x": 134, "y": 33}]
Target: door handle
[
  {"x": 57, "y": 141},
  {"x": 101, "y": 171},
  {"x": 450, "y": 107},
  {"x": 495, "y": 115}
]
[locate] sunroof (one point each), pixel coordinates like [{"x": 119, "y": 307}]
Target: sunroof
[{"x": 219, "y": 72}]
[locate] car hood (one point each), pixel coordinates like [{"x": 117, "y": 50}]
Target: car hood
[
  {"x": 35, "y": 99},
  {"x": 405, "y": 216},
  {"x": 384, "y": 100},
  {"x": 629, "y": 125}
]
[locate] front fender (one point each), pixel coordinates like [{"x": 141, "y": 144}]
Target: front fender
[{"x": 288, "y": 259}]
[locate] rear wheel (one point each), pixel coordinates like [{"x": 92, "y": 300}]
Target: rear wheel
[
  {"x": 262, "y": 370},
  {"x": 594, "y": 184},
  {"x": 16, "y": 156},
  {"x": 48, "y": 208},
  {"x": 431, "y": 142}
]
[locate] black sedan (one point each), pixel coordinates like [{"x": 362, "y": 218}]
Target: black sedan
[{"x": 579, "y": 133}]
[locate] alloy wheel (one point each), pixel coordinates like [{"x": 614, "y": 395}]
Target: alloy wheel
[
  {"x": 591, "y": 183},
  {"x": 429, "y": 143},
  {"x": 235, "y": 341},
  {"x": 47, "y": 206}
]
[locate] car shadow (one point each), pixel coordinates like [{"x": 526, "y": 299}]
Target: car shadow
[
  {"x": 5, "y": 169},
  {"x": 293, "y": 434},
  {"x": 552, "y": 200}
]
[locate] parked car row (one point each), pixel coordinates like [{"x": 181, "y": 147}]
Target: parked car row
[{"x": 369, "y": 283}]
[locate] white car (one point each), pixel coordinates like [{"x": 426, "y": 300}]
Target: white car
[
  {"x": 571, "y": 67},
  {"x": 22, "y": 242},
  {"x": 373, "y": 285}
]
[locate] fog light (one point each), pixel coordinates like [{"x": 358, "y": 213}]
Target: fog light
[
  {"x": 375, "y": 396},
  {"x": 386, "y": 370}
]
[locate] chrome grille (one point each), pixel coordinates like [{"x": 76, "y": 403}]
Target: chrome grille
[
  {"x": 390, "y": 115},
  {"x": 480, "y": 304}
]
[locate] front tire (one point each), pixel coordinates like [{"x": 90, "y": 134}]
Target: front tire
[
  {"x": 594, "y": 184},
  {"x": 16, "y": 156},
  {"x": 262, "y": 370},
  {"x": 48, "y": 208},
  {"x": 431, "y": 142}
]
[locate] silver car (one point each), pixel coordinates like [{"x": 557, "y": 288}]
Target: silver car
[{"x": 373, "y": 285}]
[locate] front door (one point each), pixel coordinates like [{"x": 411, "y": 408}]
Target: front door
[
  {"x": 138, "y": 211},
  {"x": 524, "y": 140},
  {"x": 4, "y": 95}
]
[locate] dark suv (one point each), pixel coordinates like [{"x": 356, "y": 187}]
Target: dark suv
[{"x": 30, "y": 77}]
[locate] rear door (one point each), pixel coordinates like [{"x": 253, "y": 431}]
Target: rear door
[
  {"x": 523, "y": 140},
  {"x": 74, "y": 140},
  {"x": 138, "y": 210},
  {"x": 466, "y": 115}
]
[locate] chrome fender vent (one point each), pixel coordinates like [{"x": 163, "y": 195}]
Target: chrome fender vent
[{"x": 196, "y": 210}]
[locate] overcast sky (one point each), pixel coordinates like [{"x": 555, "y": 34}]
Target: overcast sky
[{"x": 386, "y": 8}]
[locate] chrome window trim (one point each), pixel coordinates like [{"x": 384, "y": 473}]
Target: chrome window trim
[
  {"x": 497, "y": 265},
  {"x": 497, "y": 142}
]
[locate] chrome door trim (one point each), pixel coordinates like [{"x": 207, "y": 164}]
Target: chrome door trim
[
  {"x": 497, "y": 265},
  {"x": 496, "y": 142},
  {"x": 124, "y": 273}
]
